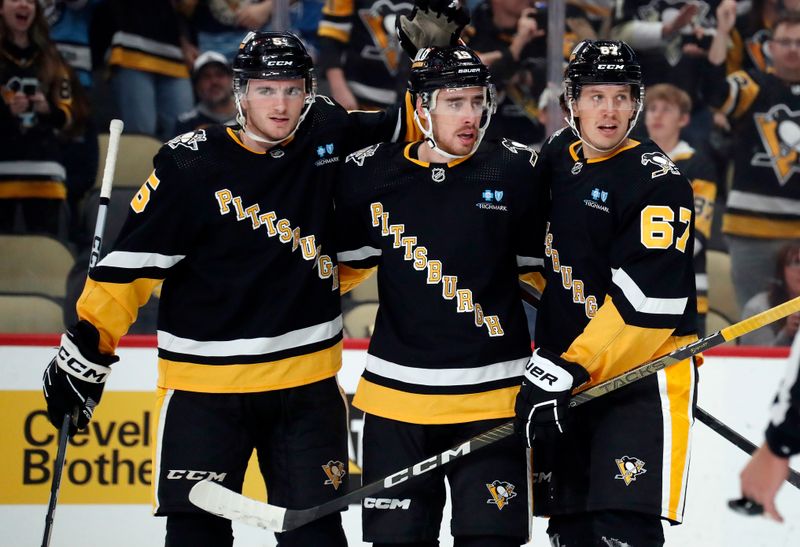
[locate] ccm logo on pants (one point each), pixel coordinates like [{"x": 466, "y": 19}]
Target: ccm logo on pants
[
  {"x": 386, "y": 503},
  {"x": 188, "y": 474}
]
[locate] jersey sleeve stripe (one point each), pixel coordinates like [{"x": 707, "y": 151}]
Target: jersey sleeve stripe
[
  {"x": 783, "y": 400},
  {"x": 748, "y": 201},
  {"x": 358, "y": 254},
  {"x": 445, "y": 377},
  {"x": 701, "y": 281},
  {"x": 646, "y": 304},
  {"x": 135, "y": 260},
  {"x": 250, "y": 346}
]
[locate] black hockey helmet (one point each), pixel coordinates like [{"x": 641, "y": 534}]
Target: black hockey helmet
[
  {"x": 602, "y": 62},
  {"x": 442, "y": 67},
  {"x": 272, "y": 56}
]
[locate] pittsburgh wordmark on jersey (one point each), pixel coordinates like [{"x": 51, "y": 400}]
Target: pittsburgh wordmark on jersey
[
  {"x": 576, "y": 285},
  {"x": 419, "y": 255},
  {"x": 283, "y": 229}
]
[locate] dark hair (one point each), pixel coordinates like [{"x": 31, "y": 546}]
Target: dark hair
[
  {"x": 778, "y": 291},
  {"x": 789, "y": 18},
  {"x": 50, "y": 65}
]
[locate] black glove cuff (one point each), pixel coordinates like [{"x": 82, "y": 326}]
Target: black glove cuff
[{"x": 84, "y": 335}]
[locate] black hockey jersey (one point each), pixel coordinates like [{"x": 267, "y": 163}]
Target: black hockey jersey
[
  {"x": 764, "y": 201},
  {"x": 618, "y": 257},
  {"x": 699, "y": 169},
  {"x": 449, "y": 242},
  {"x": 359, "y": 36},
  {"x": 243, "y": 242}
]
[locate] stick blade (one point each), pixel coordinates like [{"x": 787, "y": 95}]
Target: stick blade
[{"x": 218, "y": 500}]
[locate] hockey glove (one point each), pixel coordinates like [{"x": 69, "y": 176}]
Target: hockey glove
[
  {"x": 543, "y": 399},
  {"x": 432, "y": 23},
  {"x": 76, "y": 376}
]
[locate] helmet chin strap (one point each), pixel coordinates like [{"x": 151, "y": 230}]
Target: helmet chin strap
[
  {"x": 574, "y": 126},
  {"x": 431, "y": 140},
  {"x": 241, "y": 119}
]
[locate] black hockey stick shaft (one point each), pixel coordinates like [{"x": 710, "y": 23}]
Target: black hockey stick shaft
[
  {"x": 114, "y": 132},
  {"x": 271, "y": 517}
]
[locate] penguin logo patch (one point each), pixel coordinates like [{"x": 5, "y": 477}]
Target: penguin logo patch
[
  {"x": 189, "y": 140},
  {"x": 629, "y": 469},
  {"x": 663, "y": 163},
  {"x": 501, "y": 493},
  {"x": 335, "y": 472}
]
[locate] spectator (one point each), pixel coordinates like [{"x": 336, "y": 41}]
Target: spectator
[
  {"x": 37, "y": 101},
  {"x": 359, "y": 52},
  {"x": 221, "y": 24},
  {"x": 69, "y": 29},
  {"x": 785, "y": 286},
  {"x": 213, "y": 82},
  {"x": 752, "y": 31},
  {"x": 762, "y": 212},
  {"x": 149, "y": 58},
  {"x": 667, "y": 111},
  {"x": 672, "y": 39},
  {"x": 509, "y": 37}
]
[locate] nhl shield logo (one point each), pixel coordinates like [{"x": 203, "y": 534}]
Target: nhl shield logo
[
  {"x": 276, "y": 153},
  {"x": 576, "y": 168},
  {"x": 437, "y": 174},
  {"x": 779, "y": 130},
  {"x": 335, "y": 472},
  {"x": 501, "y": 493},
  {"x": 189, "y": 140}
]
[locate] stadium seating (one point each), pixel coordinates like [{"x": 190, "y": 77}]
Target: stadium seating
[
  {"x": 29, "y": 314},
  {"x": 134, "y": 161},
  {"x": 36, "y": 265},
  {"x": 721, "y": 294},
  {"x": 360, "y": 321}
]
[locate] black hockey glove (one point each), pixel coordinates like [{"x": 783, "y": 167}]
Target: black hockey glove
[
  {"x": 432, "y": 23},
  {"x": 76, "y": 376},
  {"x": 543, "y": 399}
]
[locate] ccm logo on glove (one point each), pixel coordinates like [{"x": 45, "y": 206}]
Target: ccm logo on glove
[{"x": 70, "y": 360}]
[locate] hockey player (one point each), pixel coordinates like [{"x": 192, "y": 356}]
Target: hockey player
[
  {"x": 619, "y": 291},
  {"x": 768, "y": 468},
  {"x": 450, "y": 223},
  {"x": 236, "y": 223},
  {"x": 762, "y": 213}
]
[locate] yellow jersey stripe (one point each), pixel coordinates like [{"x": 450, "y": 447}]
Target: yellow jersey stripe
[
  {"x": 251, "y": 377},
  {"x": 46, "y": 189},
  {"x": 434, "y": 409},
  {"x": 350, "y": 278},
  {"x": 148, "y": 63},
  {"x": 755, "y": 226}
]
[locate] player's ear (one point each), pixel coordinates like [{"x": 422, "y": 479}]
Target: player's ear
[
  {"x": 684, "y": 120},
  {"x": 418, "y": 106}
]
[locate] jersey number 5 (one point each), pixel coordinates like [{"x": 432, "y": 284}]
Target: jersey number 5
[
  {"x": 657, "y": 231},
  {"x": 142, "y": 197}
]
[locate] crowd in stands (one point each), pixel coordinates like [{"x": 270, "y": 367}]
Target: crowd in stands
[{"x": 722, "y": 101}]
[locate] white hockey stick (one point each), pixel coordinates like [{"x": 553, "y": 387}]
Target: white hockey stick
[
  {"x": 217, "y": 499},
  {"x": 114, "y": 132}
]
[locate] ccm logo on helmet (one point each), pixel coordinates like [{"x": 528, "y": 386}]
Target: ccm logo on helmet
[
  {"x": 279, "y": 63},
  {"x": 610, "y": 67},
  {"x": 386, "y": 503}
]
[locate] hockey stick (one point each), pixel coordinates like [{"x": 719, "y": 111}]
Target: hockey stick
[
  {"x": 225, "y": 503},
  {"x": 114, "y": 132}
]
